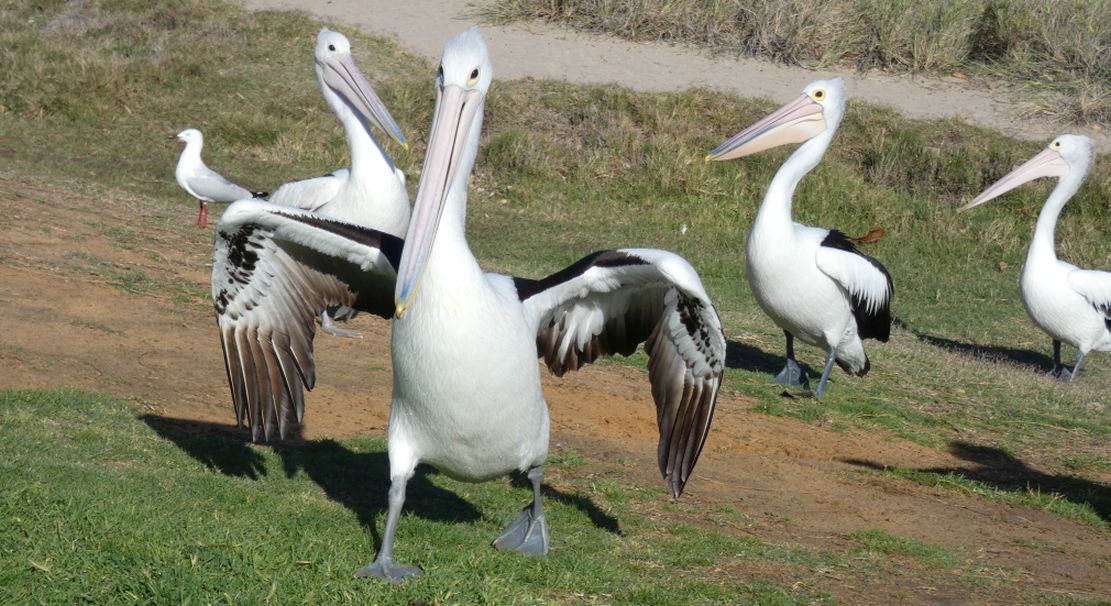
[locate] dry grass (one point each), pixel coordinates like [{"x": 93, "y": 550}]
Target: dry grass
[{"x": 1063, "y": 48}]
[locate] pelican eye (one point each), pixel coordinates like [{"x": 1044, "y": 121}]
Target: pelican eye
[
  {"x": 440, "y": 72},
  {"x": 818, "y": 95},
  {"x": 332, "y": 47},
  {"x": 474, "y": 76},
  {"x": 1056, "y": 144}
]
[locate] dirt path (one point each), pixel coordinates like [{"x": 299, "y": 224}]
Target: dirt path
[
  {"x": 110, "y": 294},
  {"x": 542, "y": 51}
]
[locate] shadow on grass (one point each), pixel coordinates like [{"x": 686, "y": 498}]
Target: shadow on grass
[
  {"x": 740, "y": 356},
  {"x": 1023, "y": 357},
  {"x": 358, "y": 480},
  {"x": 996, "y": 468},
  {"x": 599, "y": 518}
]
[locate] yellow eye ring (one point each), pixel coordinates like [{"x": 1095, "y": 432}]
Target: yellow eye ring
[
  {"x": 473, "y": 78},
  {"x": 818, "y": 95}
]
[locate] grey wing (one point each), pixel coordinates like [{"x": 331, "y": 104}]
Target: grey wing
[
  {"x": 311, "y": 194},
  {"x": 274, "y": 269},
  {"x": 612, "y": 301},
  {"x": 209, "y": 184}
]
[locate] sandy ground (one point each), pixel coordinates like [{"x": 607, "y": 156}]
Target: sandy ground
[
  {"x": 108, "y": 294},
  {"x": 541, "y": 51}
]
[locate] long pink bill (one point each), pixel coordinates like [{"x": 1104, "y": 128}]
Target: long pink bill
[
  {"x": 455, "y": 114},
  {"x": 1048, "y": 163},
  {"x": 344, "y": 77},
  {"x": 795, "y": 122}
]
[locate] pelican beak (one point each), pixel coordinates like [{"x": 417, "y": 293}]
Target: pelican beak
[
  {"x": 1048, "y": 163},
  {"x": 455, "y": 114},
  {"x": 795, "y": 122},
  {"x": 343, "y": 76}
]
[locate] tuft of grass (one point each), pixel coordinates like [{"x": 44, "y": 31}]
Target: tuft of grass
[
  {"x": 1061, "y": 47},
  {"x": 878, "y": 541}
]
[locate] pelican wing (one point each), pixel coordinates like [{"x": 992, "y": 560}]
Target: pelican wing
[
  {"x": 311, "y": 194},
  {"x": 610, "y": 302},
  {"x": 864, "y": 278},
  {"x": 274, "y": 269},
  {"x": 1095, "y": 286},
  {"x": 211, "y": 185}
]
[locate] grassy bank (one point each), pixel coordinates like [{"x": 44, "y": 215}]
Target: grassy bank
[{"x": 1060, "y": 47}]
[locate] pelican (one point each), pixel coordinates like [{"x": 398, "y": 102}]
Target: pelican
[
  {"x": 466, "y": 396},
  {"x": 200, "y": 181},
  {"x": 372, "y": 191},
  {"x": 1073, "y": 305},
  {"x": 813, "y": 282}
]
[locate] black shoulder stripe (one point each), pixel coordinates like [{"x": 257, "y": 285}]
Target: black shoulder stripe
[
  {"x": 527, "y": 287},
  {"x": 389, "y": 244}
]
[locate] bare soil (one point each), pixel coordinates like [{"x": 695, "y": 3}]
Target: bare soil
[{"x": 109, "y": 294}]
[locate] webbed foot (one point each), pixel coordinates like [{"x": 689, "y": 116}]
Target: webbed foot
[
  {"x": 326, "y": 325},
  {"x": 388, "y": 570},
  {"x": 792, "y": 375},
  {"x": 528, "y": 534}
]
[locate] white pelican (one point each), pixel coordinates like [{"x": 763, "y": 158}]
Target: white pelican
[
  {"x": 371, "y": 192},
  {"x": 200, "y": 181},
  {"x": 1073, "y": 305},
  {"x": 466, "y": 392},
  {"x": 813, "y": 282}
]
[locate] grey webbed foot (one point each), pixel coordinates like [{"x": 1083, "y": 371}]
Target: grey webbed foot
[
  {"x": 792, "y": 376},
  {"x": 528, "y": 534},
  {"x": 329, "y": 327},
  {"x": 388, "y": 570}
]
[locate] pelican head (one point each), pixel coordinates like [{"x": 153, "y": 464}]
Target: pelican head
[
  {"x": 1067, "y": 155},
  {"x": 462, "y": 79},
  {"x": 338, "y": 73},
  {"x": 189, "y": 136},
  {"x": 818, "y": 109}
]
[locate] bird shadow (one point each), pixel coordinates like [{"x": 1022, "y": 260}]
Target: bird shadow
[
  {"x": 357, "y": 480},
  {"x": 599, "y": 518},
  {"x": 996, "y": 468},
  {"x": 1023, "y": 357},
  {"x": 740, "y": 356}
]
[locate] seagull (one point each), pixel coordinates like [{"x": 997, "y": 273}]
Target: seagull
[
  {"x": 1072, "y": 304},
  {"x": 371, "y": 192},
  {"x": 202, "y": 182},
  {"x": 467, "y": 397},
  {"x": 812, "y": 281}
]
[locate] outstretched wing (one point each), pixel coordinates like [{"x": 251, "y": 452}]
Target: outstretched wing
[
  {"x": 610, "y": 302},
  {"x": 310, "y": 194},
  {"x": 1095, "y": 286},
  {"x": 864, "y": 278},
  {"x": 274, "y": 269}
]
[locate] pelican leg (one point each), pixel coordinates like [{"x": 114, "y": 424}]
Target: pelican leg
[
  {"x": 830, "y": 357},
  {"x": 1055, "y": 372},
  {"x": 329, "y": 327},
  {"x": 792, "y": 374},
  {"x": 1071, "y": 376},
  {"x": 528, "y": 533},
  {"x": 384, "y": 566}
]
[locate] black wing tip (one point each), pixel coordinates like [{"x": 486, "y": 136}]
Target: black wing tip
[{"x": 260, "y": 195}]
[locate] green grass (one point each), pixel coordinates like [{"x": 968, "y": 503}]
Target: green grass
[
  {"x": 94, "y": 513},
  {"x": 89, "y": 91},
  {"x": 877, "y": 541},
  {"x": 1047, "y": 46}
]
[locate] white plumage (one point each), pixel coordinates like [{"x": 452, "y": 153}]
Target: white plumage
[
  {"x": 466, "y": 392},
  {"x": 200, "y": 181},
  {"x": 1073, "y": 305},
  {"x": 811, "y": 281}
]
